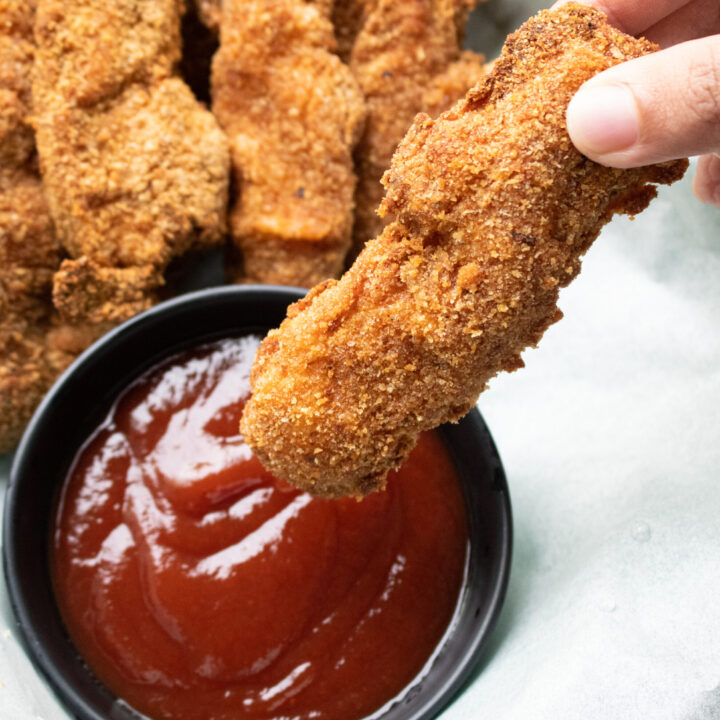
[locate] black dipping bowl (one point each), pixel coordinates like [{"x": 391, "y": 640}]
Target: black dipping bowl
[{"x": 79, "y": 402}]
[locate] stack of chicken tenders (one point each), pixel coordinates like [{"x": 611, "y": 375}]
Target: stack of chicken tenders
[{"x": 112, "y": 168}]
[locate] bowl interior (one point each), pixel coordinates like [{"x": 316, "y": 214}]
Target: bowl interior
[{"x": 79, "y": 401}]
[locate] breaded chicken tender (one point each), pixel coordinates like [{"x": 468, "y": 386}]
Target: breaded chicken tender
[
  {"x": 293, "y": 113},
  {"x": 399, "y": 48},
  {"x": 29, "y": 251},
  {"x": 492, "y": 210},
  {"x": 445, "y": 89},
  {"x": 210, "y": 11},
  {"x": 135, "y": 170},
  {"x": 29, "y": 254}
]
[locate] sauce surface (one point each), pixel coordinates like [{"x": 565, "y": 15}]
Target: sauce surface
[{"x": 198, "y": 587}]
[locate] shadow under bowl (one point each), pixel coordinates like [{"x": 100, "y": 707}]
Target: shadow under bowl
[{"x": 79, "y": 402}]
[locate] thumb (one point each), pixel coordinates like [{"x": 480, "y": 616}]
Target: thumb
[{"x": 656, "y": 108}]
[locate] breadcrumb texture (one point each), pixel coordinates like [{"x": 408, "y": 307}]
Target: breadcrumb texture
[
  {"x": 29, "y": 251},
  {"x": 492, "y": 209},
  {"x": 210, "y": 11},
  {"x": 293, "y": 113},
  {"x": 399, "y": 50},
  {"x": 135, "y": 170},
  {"x": 30, "y": 360},
  {"x": 445, "y": 89}
]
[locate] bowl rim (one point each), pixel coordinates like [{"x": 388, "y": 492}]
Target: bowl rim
[{"x": 31, "y": 635}]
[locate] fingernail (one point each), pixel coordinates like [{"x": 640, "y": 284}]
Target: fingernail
[{"x": 603, "y": 119}]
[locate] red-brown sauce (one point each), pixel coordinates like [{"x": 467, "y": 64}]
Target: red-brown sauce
[{"x": 198, "y": 587}]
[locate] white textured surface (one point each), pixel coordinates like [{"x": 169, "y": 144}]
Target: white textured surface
[{"x": 611, "y": 443}]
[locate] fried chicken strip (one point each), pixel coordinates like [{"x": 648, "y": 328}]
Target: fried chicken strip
[
  {"x": 135, "y": 169},
  {"x": 210, "y": 11},
  {"x": 293, "y": 113},
  {"x": 399, "y": 49},
  {"x": 493, "y": 209},
  {"x": 445, "y": 89},
  {"x": 29, "y": 255},
  {"x": 29, "y": 251}
]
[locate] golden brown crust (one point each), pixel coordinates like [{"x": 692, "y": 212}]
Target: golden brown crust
[
  {"x": 398, "y": 51},
  {"x": 128, "y": 186},
  {"x": 445, "y": 89},
  {"x": 210, "y": 11},
  {"x": 17, "y": 144},
  {"x": 29, "y": 254},
  {"x": 135, "y": 169},
  {"x": 86, "y": 292},
  {"x": 293, "y": 113},
  {"x": 29, "y": 251},
  {"x": 27, "y": 369},
  {"x": 492, "y": 209}
]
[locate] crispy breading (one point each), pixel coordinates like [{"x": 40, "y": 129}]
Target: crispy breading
[
  {"x": 28, "y": 367},
  {"x": 398, "y": 51},
  {"x": 210, "y": 11},
  {"x": 29, "y": 254},
  {"x": 135, "y": 170},
  {"x": 17, "y": 142},
  {"x": 492, "y": 210},
  {"x": 29, "y": 251},
  {"x": 445, "y": 89},
  {"x": 87, "y": 292},
  {"x": 292, "y": 112}
]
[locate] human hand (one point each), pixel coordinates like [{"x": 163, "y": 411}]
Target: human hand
[{"x": 661, "y": 106}]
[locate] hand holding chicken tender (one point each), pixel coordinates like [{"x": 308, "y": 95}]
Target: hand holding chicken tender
[{"x": 492, "y": 210}]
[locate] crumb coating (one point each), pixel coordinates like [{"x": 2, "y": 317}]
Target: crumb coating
[
  {"x": 135, "y": 170},
  {"x": 293, "y": 113},
  {"x": 491, "y": 210},
  {"x": 399, "y": 48},
  {"x": 29, "y": 250}
]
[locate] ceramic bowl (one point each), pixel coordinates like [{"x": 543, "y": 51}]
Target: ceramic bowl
[{"x": 78, "y": 403}]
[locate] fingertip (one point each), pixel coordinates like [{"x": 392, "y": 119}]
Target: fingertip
[
  {"x": 706, "y": 184},
  {"x": 603, "y": 122}
]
